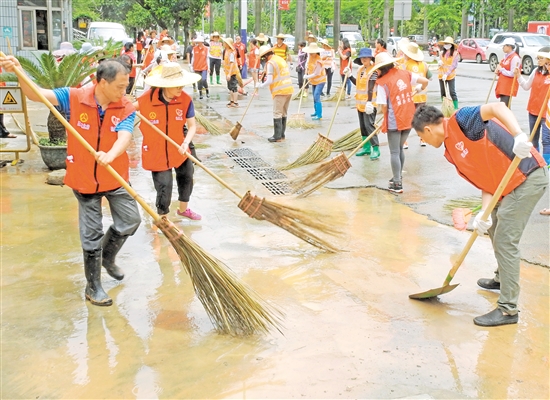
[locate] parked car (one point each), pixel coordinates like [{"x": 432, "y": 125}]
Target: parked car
[
  {"x": 353, "y": 37},
  {"x": 416, "y": 38},
  {"x": 473, "y": 49},
  {"x": 529, "y": 44},
  {"x": 108, "y": 30},
  {"x": 391, "y": 45}
]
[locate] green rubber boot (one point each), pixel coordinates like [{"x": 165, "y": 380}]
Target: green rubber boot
[
  {"x": 375, "y": 153},
  {"x": 455, "y": 103},
  {"x": 365, "y": 151},
  {"x": 218, "y": 79}
]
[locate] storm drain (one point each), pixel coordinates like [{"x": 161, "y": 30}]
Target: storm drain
[{"x": 261, "y": 170}]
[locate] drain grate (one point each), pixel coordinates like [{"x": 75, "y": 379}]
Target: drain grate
[
  {"x": 277, "y": 188},
  {"x": 245, "y": 152},
  {"x": 266, "y": 174},
  {"x": 254, "y": 162}
]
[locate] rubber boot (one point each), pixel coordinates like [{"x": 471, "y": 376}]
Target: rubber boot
[
  {"x": 547, "y": 159},
  {"x": 112, "y": 242},
  {"x": 92, "y": 270},
  {"x": 218, "y": 79},
  {"x": 211, "y": 80},
  {"x": 365, "y": 151},
  {"x": 278, "y": 129},
  {"x": 455, "y": 102},
  {"x": 284, "y": 127},
  {"x": 375, "y": 153},
  {"x": 318, "y": 112},
  {"x": 315, "y": 111}
]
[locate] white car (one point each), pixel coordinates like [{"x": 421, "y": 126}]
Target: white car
[
  {"x": 391, "y": 45},
  {"x": 108, "y": 30},
  {"x": 529, "y": 44}
]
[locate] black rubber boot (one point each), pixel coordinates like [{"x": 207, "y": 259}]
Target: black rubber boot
[
  {"x": 92, "y": 270},
  {"x": 284, "y": 127},
  {"x": 278, "y": 128},
  {"x": 112, "y": 242}
]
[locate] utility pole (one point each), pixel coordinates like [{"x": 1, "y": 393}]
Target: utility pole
[
  {"x": 275, "y": 18},
  {"x": 336, "y": 26},
  {"x": 244, "y": 21},
  {"x": 300, "y": 28}
]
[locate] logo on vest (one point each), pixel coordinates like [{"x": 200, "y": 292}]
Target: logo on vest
[
  {"x": 70, "y": 159},
  {"x": 115, "y": 120},
  {"x": 83, "y": 118},
  {"x": 152, "y": 115},
  {"x": 401, "y": 85},
  {"x": 179, "y": 114},
  {"x": 145, "y": 148},
  {"x": 463, "y": 151}
]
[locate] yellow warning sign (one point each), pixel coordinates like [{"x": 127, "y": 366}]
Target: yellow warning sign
[{"x": 9, "y": 99}]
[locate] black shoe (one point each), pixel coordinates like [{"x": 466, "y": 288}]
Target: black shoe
[
  {"x": 200, "y": 97},
  {"x": 488, "y": 284},
  {"x": 273, "y": 139},
  {"x": 396, "y": 187},
  {"x": 496, "y": 318}
]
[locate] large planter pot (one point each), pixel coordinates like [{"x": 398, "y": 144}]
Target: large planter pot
[{"x": 54, "y": 156}]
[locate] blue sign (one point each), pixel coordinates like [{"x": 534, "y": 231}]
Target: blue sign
[{"x": 7, "y": 31}]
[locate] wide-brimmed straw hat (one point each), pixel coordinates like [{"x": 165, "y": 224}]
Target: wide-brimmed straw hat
[
  {"x": 325, "y": 42},
  {"x": 364, "y": 52},
  {"x": 544, "y": 52},
  {"x": 310, "y": 36},
  {"x": 167, "y": 49},
  {"x": 229, "y": 42},
  {"x": 215, "y": 34},
  {"x": 509, "y": 42},
  {"x": 261, "y": 38},
  {"x": 65, "y": 48},
  {"x": 312, "y": 48},
  {"x": 383, "y": 59},
  {"x": 198, "y": 39},
  {"x": 280, "y": 36},
  {"x": 447, "y": 40},
  {"x": 411, "y": 50},
  {"x": 167, "y": 39},
  {"x": 169, "y": 75},
  {"x": 265, "y": 49}
]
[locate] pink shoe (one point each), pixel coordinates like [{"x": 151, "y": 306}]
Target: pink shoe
[{"x": 189, "y": 214}]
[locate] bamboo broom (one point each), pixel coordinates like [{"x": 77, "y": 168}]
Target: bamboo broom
[
  {"x": 348, "y": 142},
  {"x": 298, "y": 120},
  {"x": 209, "y": 126},
  {"x": 447, "y": 108},
  {"x": 321, "y": 148},
  {"x": 328, "y": 171},
  {"x": 232, "y": 306},
  {"x": 300, "y": 223}
]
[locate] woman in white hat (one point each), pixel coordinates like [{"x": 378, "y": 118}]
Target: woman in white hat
[
  {"x": 215, "y": 51},
  {"x": 168, "y": 107},
  {"x": 317, "y": 77},
  {"x": 199, "y": 64},
  {"x": 394, "y": 100},
  {"x": 506, "y": 87},
  {"x": 327, "y": 55},
  {"x": 231, "y": 70},
  {"x": 447, "y": 68}
]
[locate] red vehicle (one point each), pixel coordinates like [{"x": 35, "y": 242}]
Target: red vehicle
[{"x": 473, "y": 49}]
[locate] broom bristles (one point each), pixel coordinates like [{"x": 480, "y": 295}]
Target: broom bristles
[
  {"x": 232, "y": 306},
  {"x": 349, "y": 141},
  {"x": 318, "y": 151},
  {"x": 447, "y": 108},
  {"x": 209, "y": 126},
  {"x": 298, "y": 222},
  {"x": 323, "y": 174},
  {"x": 299, "y": 121}
]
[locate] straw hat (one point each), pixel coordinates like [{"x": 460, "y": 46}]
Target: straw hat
[
  {"x": 65, "y": 48},
  {"x": 324, "y": 42},
  {"x": 310, "y": 36},
  {"x": 280, "y": 36},
  {"x": 312, "y": 48},
  {"x": 167, "y": 49},
  {"x": 364, "y": 52},
  {"x": 264, "y": 50},
  {"x": 198, "y": 39},
  {"x": 509, "y": 42},
  {"x": 229, "y": 42},
  {"x": 411, "y": 50},
  {"x": 544, "y": 52},
  {"x": 448, "y": 40},
  {"x": 215, "y": 34},
  {"x": 170, "y": 75},
  {"x": 383, "y": 59},
  {"x": 86, "y": 48},
  {"x": 167, "y": 39},
  {"x": 261, "y": 38}
]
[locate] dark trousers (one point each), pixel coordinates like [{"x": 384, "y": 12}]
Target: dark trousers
[
  {"x": 163, "y": 182},
  {"x": 203, "y": 83},
  {"x": 215, "y": 64},
  {"x": 504, "y": 99},
  {"x": 131, "y": 81},
  {"x": 366, "y": 124},
  {"x": 138, "y": 57},
  {"x": 300, "y": 78},
  {"x": 329, "y": 79},
  {"x": 452, "y": 90}
]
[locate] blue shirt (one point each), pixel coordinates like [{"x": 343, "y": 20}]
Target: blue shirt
[
  {"x": 64, "y": 104},
  {"x": 470, "y": 122}
]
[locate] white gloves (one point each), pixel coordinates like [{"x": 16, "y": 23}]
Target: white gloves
[
  {"x": 440, "y": 63},
  {"x": 480, "y": 226},
  {"x": 418, "y": 88},
  {"x": 347, "y": 71},
  {"x": 291, "y": 67},
  {"x": 522, "y": 146},
  {"x": 444, "y": 77},
  {"x": 369, "y": 108}
]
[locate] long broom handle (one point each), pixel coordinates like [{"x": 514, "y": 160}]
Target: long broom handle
[
  {"x": 21, "y": 75},
  {"x": 491, "y": 89},
  {"x": 301, "y": 94},
  {"x": 138, "y": 74},
  {"x": 512, "y": 91},
  {"x": 188, "y": 154},
  {"x": 248, "y": 106},
  {"x": 496, "y": 197},
  {"x": 337, "y": 104}
]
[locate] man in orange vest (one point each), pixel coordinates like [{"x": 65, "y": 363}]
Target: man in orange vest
[
  {"x": 280, "y": 85},
  {"x": 241, "y": 53},
  {"x": 199, "y": 64},
  {"x": 105, "y": 119},
  {"x": 481, "y": 142}
]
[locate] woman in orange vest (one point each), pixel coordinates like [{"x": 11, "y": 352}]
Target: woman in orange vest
[
  {"x": 280, "y": 85},
  {"x": 380, "y": 46},
  {"x": 366, "y": 109},
  {"x": 506, "y": 84},
  {"x": 129, "y": 52},
  {"x": 168, "y": 107},
  {"x": 394, "y": 99},
  {"x": 149, "y": 55},
  {"x": 317, "y": 77},
  {"x": 327, "y": 55},
  {"x": 345, "y": 57},
  {"x": 254, "y": 62},
  {"x": 140, "y": 41},
  {"x": 481, "y": 142},
  {"x": 447, "y": 68},
  {"x": 538, "y": 82},
  {"x": 231, "y": 69}
]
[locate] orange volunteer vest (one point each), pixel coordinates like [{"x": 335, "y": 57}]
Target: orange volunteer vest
[
  {"x": 215, "y": 50},
  {"x": 362, "y": 89},
  {"x": 447, "y": 64},
  {"x": 230, "y": 68},
  {"x": 253, "y": 59},
  {"x": 311, "y": 64},
  {"x": 280, "y": 50},
  {"x": 397, "y": 84},
  {"x": 199, "y": 58},
  {"x": 504, "y": 83}
]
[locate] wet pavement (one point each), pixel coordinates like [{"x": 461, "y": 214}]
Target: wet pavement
[{"x": 350, "y": 330}]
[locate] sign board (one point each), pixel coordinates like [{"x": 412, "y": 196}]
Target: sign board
[
  {"x": 329, "y": 32},
  {"x": 284, "y": 5},
  {"x": 7, "y": 32},
  {"x": 402, "y": 10},
  {"x": 10, "y": 99}
]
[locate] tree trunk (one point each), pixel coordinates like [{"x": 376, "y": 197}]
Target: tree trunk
[
  {"x": 257, "y": 17},
  {"x": 300, "y": 28},
  {"x": 386, "y": 29},
  {"x": 56, "y": 130},
  {"x": 464, "y": 26},
  {"x": 336, "y": 26}
]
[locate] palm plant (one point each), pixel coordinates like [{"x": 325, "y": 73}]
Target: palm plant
[{"x": 47, "y": 73}]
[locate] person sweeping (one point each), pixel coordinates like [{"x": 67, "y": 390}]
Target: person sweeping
[
  {"x": 105, "y": 118},
  {"x": 317, "y": 77},
  {"x": 231, "y": 69},
  {"x": 280, "y": 85},
  {"x": 167, "y": 106},
  {"x": 447, "y": 68},
  {"x": 215, "y": 50},
  {"x": 507, "y": 85},
  {"x": 481, "y": 142},
  {"x": 366, "y": 109}
]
